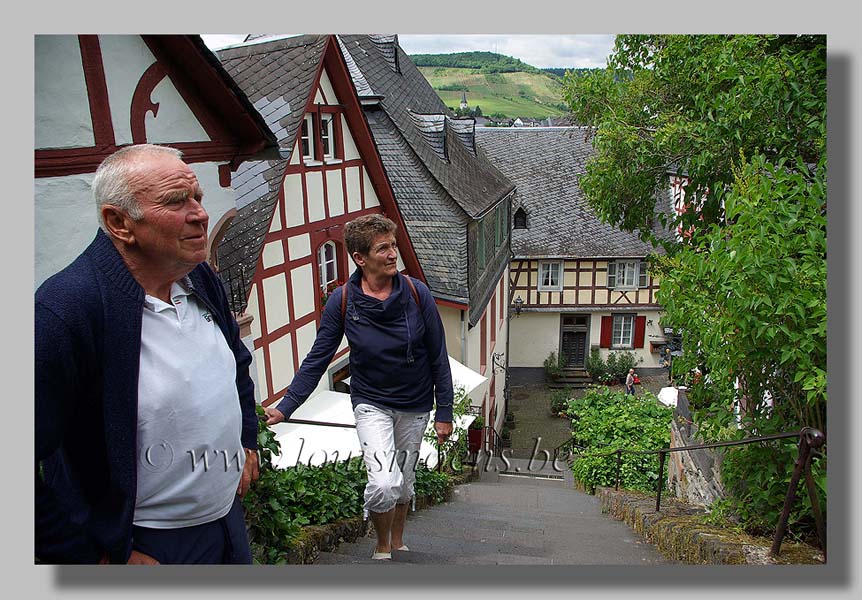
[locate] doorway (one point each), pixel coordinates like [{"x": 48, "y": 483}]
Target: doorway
[{"x": 573, "y": 340}]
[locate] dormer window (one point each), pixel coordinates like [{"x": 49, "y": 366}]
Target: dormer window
[{"x": 520, "y": 219}]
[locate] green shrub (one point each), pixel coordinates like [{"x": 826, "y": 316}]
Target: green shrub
[
  {"x": 757, "y": 477},
  {"x": 560, "y": 400},
  {"x": 595, "y": 365},
  {"x": 604, "y": 421},
  {"x": 553, "y": 366}
]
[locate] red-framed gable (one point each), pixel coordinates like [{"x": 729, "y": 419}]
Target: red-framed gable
[
  {"x": 342, "y": 83},
  {"x": 236, "y": 130}
]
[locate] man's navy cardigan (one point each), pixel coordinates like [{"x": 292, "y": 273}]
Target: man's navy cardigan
[{"x": 88, "y": 343}]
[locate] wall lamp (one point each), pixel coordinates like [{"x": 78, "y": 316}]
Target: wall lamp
[{"x": 518, "y": 302}]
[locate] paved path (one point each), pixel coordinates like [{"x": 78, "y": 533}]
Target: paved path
[
  {"x": 531, "y": 406},
  {"x": 511, "y": 517}
]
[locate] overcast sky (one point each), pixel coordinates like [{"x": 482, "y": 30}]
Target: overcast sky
[{"x": 537, "y": 50}]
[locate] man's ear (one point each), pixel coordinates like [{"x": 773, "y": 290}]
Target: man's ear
[{"x": 119, "y": 225}]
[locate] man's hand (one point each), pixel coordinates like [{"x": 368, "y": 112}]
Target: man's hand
[
  {"x": 444, "y": 430},
  {"x": 250, "y": 472},
  {"x": 273, "y": 416}
]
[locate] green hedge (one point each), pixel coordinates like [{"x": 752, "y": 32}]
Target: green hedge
[{"x": 604, "y": 421}]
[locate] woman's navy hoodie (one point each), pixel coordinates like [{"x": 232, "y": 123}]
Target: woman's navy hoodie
[{"x": 398, "y": 357}]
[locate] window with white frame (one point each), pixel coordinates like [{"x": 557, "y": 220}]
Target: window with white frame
[
  {"x": 622, "y": 334},
  {"x": 306, "y": 139},
  {"x": 627, "y": 274},
  {"x": 327, "y": 264},
  {"x": 550, "y": 276},
  {"x": 327, "y": 139}
]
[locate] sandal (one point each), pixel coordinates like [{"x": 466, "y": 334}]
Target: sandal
[{"x": 381, "y": 556}]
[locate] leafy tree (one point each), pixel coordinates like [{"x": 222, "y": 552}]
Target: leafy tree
[
  {"x": 744, "y": 119},
  {"x": 688, "y": 104}
]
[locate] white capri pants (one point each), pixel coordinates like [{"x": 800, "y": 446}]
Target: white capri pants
[{"x": 390, "y": 442}]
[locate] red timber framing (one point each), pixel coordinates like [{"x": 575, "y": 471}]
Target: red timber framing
[
  {"x": 524, "y": 280},
  {"x": 235, "y": 134},
  {"x": 331, "y": 227}
]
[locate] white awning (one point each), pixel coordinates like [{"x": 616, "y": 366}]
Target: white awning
[{"x": 317, "y": 444}]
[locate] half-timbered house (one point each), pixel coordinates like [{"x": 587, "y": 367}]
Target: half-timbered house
[
  {"x": 360, "y": 131},
  {"x": 578, "y": 283}
]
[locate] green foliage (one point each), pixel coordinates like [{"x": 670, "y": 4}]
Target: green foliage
[
  {"x": 454, "y": 450},
  {"x": 757, "y": 495},
  {"x": 604, "y": 421},
  {"x": 432, "y": 484},
  {"x": 561, "y": 71},
  {"x": 553, "y": 366},
  {"x": 692, "y": 103},
  {"x": 560, "y": 400},
  {"x": 595, "y": 364},
  {"x": 614, "y": 368},
  {"x": 744, "y": 118},
  {"x": 453, "y": 87},
  {"x": 485, "y": 62}
]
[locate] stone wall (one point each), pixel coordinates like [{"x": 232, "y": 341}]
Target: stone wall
[{"x": 693, "y": 475}]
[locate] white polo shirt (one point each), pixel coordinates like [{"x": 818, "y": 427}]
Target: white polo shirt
[{"x": 190, "y": 454}]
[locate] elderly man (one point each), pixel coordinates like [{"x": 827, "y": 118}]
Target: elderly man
[{"x": 145, "y": 413}]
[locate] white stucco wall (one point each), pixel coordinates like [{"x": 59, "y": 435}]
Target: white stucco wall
[
  {"x": 533, "y": 337},
  {"x": 62, "y": 108}
]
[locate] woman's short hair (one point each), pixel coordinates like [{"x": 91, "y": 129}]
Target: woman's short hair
[
  {"x": 360, "y": 233},
  {"x": 111, "y": 181}
]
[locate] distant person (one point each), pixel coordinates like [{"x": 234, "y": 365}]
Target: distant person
[
  {"x": 630, "y": 382},
  {"x": 398, "y": 368},
  {"x": 141, "y": 380}
]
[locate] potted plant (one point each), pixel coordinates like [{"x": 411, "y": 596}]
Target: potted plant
[
  {"x": 510, "y": 417},
  {"x": 474, "y": 434},
  {"x": 507, "y": 437}
]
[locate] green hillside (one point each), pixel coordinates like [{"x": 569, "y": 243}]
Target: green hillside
[{"x": 513, "y": 94}]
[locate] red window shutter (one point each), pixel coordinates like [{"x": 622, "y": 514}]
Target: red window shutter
[
  {"x": 607, "y": 329},
  {"x": 640, "y": 330}
]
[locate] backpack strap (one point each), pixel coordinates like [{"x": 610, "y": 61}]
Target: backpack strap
[
  {"x": 344, "y": 295},
  {"x": 412, "y": 289}
]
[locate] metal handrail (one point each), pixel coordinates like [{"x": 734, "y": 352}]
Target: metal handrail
[
  {"x": 810, "y": 441},
  {"x": 493, "y": 440}
]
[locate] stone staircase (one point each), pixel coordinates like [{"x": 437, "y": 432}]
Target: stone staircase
[
  {"x": 577, "y": 378},
  {"x": 514, "y": 514}
]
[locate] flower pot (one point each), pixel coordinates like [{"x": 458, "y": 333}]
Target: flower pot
[{"x": 474, "y": 440}]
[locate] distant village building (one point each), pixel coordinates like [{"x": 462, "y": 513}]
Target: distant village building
[
  {"x": 463, "y": 99},
  {"x": 582, "y": 284}
]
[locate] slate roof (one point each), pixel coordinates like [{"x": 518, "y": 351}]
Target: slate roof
[
  {"x": 277, "y": 77},
  {"x": 545, "y": 163},
  {"x": 440, "y": 184}
]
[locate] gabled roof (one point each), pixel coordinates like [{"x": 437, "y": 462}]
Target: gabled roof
[
  {"x": 277, "y": 76},
  {"x": 545, "y": 164},
  {"x": 474, "y": 184},
  {"x": 440, "y": 183}
]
